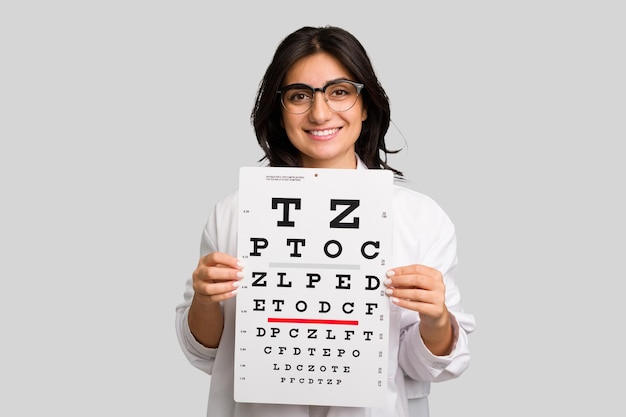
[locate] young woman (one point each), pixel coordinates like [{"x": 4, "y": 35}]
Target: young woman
[{"x": 321, "y": 105}]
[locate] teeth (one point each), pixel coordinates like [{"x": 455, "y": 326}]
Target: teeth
[{"x": 324, "y": 132}]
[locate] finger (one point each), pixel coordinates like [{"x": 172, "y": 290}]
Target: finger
[
  {"x": 416, "y": 295},
  {"x": 219, "y": 273},
  {"x": 426, "y": 278},
  {"x": 222, "y": 289},
  {"x": 406, "y": 281},
  {"x": 222, "y": 259},
  {"x": 215, "y": 295},
  {"x": 216, "y": 280},
  {"x": 426, "y": 310},
  {"x": 410, "y": 270}
]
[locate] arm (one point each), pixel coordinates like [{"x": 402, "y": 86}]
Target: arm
[
  {"x": 419, "y": 360},
  {"x": 200, "y": 317},
  {"x": 433, "y": 343}
]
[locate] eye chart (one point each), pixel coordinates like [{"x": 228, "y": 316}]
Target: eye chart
[{"x": 312, "y": 317}]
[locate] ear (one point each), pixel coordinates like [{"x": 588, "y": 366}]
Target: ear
[{"x": 364, "y": 114}]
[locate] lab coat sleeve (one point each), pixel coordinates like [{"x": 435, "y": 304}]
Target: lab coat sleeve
[
  {"x": 198, "y": 355},
  {"x": 438, "y": 244}
]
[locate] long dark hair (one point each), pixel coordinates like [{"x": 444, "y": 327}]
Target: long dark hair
[{"x": 266, "y": 115}]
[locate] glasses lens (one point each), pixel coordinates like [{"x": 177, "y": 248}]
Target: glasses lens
[
  {"x": 341, "y": 96},
  {"x": 298, "y": 98}
]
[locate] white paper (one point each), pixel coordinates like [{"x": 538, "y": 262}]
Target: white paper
[{"x": 312, "y": 317}]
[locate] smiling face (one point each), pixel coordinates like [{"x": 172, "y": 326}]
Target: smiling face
[{"x": 325, "y": 138}]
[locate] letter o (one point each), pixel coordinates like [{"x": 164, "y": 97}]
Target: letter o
[{"x": 332, "y": 242}]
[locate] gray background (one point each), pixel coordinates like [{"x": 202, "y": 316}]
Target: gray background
[{"x": 122, "y": 122}]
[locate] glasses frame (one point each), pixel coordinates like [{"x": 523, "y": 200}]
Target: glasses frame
[{"x": 359, "y": 87}]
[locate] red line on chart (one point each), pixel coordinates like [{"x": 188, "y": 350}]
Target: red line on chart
[{"x": 312, "y": 321}]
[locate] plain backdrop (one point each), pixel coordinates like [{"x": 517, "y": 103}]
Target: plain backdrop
[{"x": 123, "y": 122}]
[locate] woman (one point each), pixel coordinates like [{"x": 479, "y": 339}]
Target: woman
[{"x": 320, "y": 105}]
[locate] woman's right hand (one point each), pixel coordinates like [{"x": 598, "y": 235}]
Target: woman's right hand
[{"x": 217, "y": 277}]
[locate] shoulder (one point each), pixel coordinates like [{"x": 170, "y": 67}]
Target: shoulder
[
  {"x": 220, "y": 232},
  {"x": 415, "y": 207},
  {"x": 228, "y": 204},
  {"x": 406, "y": 197}
]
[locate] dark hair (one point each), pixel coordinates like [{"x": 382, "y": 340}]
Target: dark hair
[{"x": 306, "y": 41}]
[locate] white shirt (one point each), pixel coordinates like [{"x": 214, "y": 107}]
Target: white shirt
[{"x": 422, "y": 234}]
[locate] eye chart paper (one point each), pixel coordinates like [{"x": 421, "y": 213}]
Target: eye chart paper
[{"x": 312, "y": 317}]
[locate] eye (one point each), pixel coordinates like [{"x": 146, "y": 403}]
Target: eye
[
  {"x": 299, "y": 95},
  {"x": 340, "y": 91}
]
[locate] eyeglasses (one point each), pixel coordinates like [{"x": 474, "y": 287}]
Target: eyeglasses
[{"x": 341, "y": 95}]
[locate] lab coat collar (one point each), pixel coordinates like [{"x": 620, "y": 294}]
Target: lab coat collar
[{"x": 360, "y": 164}]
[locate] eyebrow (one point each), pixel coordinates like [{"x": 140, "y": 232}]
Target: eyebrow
[{"x": 325, "y": 83}]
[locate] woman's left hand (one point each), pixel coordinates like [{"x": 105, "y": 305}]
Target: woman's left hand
[{"x": 421, "y": 288}]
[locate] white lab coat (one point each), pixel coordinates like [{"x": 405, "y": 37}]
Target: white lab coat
[{"x": 422, "y": 234}]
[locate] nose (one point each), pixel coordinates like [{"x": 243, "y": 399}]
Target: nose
[{"x": 320, "y": 110}]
